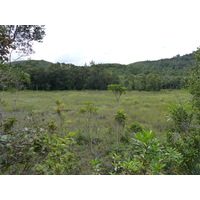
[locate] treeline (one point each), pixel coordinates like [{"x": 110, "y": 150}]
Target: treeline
[
  {"x": 143, "y": 76},
  {"x": 153, "y": 82},
  {"x": 69, "y": 77}
]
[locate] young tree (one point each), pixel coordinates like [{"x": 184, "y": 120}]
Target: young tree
[
  {"x": 117, "y": 91},
  {"x": 120, "y": 118}
]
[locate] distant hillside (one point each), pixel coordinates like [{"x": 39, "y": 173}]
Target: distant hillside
[
  {"x": 146, "y": 75},
  {"x": 32, "y": 63},
  {"x": 178, "y": 65}
]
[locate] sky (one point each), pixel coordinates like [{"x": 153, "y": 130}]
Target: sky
[{"x": 112, "y": 31}]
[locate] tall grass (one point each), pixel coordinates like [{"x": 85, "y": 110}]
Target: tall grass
[{"x": 148, "y": 108}]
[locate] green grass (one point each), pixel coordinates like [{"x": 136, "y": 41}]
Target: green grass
[
  {"x": 148, "y": 108},
  {"x": 95, "y": 134}
]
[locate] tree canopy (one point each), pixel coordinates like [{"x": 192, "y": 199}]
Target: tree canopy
[
  {"x": 144, "y": 76},
  {"x": 19, "y": 38}
]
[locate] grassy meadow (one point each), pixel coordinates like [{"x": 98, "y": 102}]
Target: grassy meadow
[
  {"x": 150, "y": 109},
  {"x": 90, "y": 118}
]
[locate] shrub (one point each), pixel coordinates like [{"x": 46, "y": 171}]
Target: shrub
[
  {"x": 181, "y": 114},
  {"x": 149, "y": 156},
  {"x": 35, "y": 151},
  {"x": 134, "y": 128}
]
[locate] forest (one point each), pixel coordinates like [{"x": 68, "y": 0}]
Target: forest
[
  {"x": 97, "y": 119},
  {"x": 142, "y": 76}
]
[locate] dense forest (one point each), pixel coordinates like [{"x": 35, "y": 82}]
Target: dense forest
[{"x": 142, "y": 76}]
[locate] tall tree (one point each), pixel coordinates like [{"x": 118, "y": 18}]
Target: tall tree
[
  {"x": 19, "y": 38},
  {"x": 5, "y": 44}
]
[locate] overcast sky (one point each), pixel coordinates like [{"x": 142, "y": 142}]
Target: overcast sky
[{"x": 114, "y": 31}]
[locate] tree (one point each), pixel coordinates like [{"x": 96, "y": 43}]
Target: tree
[
  {"x": 153, "y": 82},
  {"x": 140, "y": 82},
  {"x": 19, "y": 38},
  {"x": 5, "y": 44},
  {"x": 117, "y": 91},
  {"x": 92, "y": 63},
  {"x": 120, "y": 118},
  {"x": 194, "y": 85},
  {"x": 186, "y": 117}
]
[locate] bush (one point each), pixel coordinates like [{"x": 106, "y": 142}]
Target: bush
[
  {"x": 181, "y": 114},
  {"x": 130, "y": 130},
  {"x": 35, "y": 151},
  {"x": 134, "y": 128},
  {"x": 149, "y": 156}
]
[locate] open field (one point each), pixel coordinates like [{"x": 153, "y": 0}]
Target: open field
[
  {"x": 147, "y": 108},
  {"x": 100, "y": 142}
]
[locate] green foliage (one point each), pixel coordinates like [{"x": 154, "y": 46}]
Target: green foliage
[
  {"x": 134, "y": 128},
  {"x": 186, "y": 120},
  {"x": 194, "y": 86},
  {"x": 90, "y": 111},
  {"x": 8, "y": 125},
  {"x": 149, "y": 156},
  {"x": 35, "y": 151},
  {"x": 89, "y": 108},
  {"x": 181, "y": 114},
  {"x": 188, "y": 145},
  {"x": 194, "y": 81},
  {"x": 52, "y": 126},
  {"x": 95, "y": 135},
  {"x": 61, "y": 76},
  {"x": 5, "y": 44},
  {"x": 153, "y": 82},
  {"x": 13, "y": 78},
  {"x": 120, "y": 117},
  {"x": 142, "y": 76},
  {"x": 58, "y": 102},
  {"x": 59, "y": 159},
  {"x": 19, "y": 38},
  {"x": 117, "y": 90},
  {"x": 145, "y": 136},
  {"x": 61, "y": 109},
  {"x": 96, "y": 166}
]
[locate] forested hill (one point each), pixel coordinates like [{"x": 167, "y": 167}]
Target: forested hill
[
  {"x": 32, "y": 63},
  {"x": 178, "y": 65},
  {"x": 146, "y": 75}
]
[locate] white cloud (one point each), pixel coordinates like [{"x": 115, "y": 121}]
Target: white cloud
[{"x": 119, "y": 31}]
